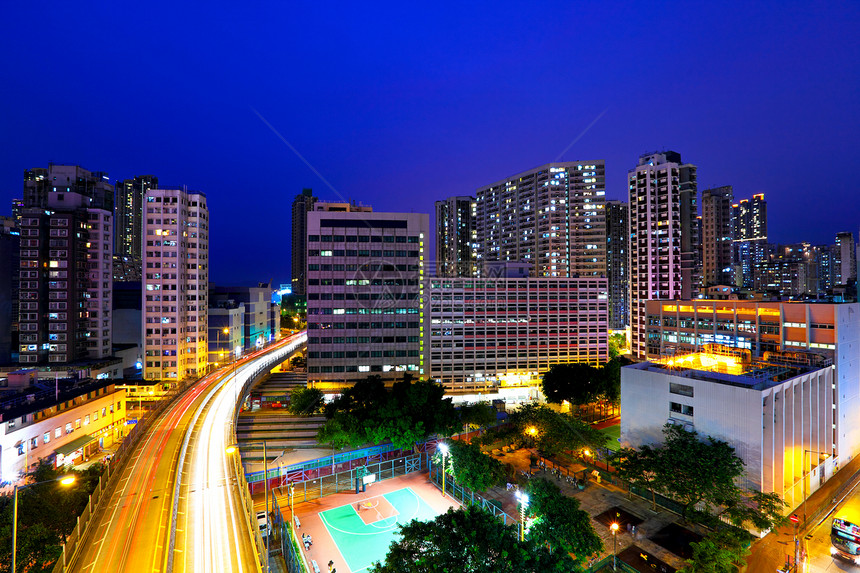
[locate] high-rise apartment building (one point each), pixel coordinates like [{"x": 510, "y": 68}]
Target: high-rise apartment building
[
  {"x": 129, "y": 212},
  {"x": 846, "y": 258},
  {"x": 65, "y": 265},
  {"x": 749, "y": 219},
  {"x": 552, "y": 217},
  {"x": 663, "y": 254},
  {"x": 176, "y": 283},
  {"x": 456, "y": 237},
  {"x": 302, "y": 204},
  {"x": 717, "y": 235},
  {"x": 366, "y": 295},
  {"x": 617, "y": 253}
]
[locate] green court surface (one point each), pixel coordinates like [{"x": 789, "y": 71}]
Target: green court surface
[
  {"x": 613, "y": 433},
  {"x": 362, "y": 544}
]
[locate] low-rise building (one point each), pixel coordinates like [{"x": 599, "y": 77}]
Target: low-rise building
[
  {"x": 778, "y": 413},
  {"x": 64, "y": 423}
]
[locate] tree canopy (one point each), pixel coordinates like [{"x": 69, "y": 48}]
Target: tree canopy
[
  {"x": 580, "y": 383},
  {"x": 561, "y": 525},
  {"x": 555, "y": 432},
  {"x": 721, "y": 551},
  {"x": 369, "y": 413},
  {"x": 693, "y": 470},
  {"x": 467, "y": 540},
  {"x": 47, "y": 513},
  {"x": 472, "y": 467},
  {"x": 478, "y": 415},
  {"x": 305, "y": 401}
]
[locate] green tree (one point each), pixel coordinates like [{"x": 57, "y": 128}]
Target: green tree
[
  {"x": 478, "y": 415},
  {"x": 577, "y": 383},
  {"x": 306, "y": 401},
  {"x": 721, "y": 551},
  {"x": 617, "y": 343},
  {"x": 468, "y": 540},
  {"x": 47, "y": 513},
  {"x": 369, "y": 413},
  {"x": 471, "y": 467},
  {"x": 560, "y": 524},
  {"x": 556, "y": 432},
  {"x": 695, "y": 470},
  {"x": 640, "y": 468}
]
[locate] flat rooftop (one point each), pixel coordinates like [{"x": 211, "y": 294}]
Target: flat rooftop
[{"x": 735, "y": 367}]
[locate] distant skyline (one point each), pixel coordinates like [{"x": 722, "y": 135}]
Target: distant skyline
[{"x": 398, "y": 105}]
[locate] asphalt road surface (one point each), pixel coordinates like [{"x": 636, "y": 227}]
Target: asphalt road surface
[{"x": 133, "y": 531}]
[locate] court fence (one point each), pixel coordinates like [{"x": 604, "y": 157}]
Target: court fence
[
  {"x": 310, "y": 489},
  {"x": 466, "y": 496}
]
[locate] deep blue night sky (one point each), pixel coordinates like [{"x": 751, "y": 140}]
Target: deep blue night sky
[{"x": 400, "y": 104}]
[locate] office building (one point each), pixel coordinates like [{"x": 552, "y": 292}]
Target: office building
[
  {"x": 717, "y": 236},
  {"x": 487, "y": 334},
  {"x": 176, "y": 284},
  {"x": 778, "y": 412},
  {"x": 846, "y": 258},
  {"x": 749, "y": 220},
  {"x": 366, "y": 295},
  {"x": 552, "y": 217},
  {"x": 302, "y": 204},
  {"x": 663, "y": 253},
  {"x": 617, "y": 253},
  {"x": 129, "y": 211},
  {"x": 456, "y": 237},
  {"x": 65, "y": 266}
]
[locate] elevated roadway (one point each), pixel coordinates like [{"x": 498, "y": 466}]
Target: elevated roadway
[{"x": 176, "y": 503}]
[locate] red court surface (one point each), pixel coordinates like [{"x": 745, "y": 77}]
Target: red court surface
[{"x": 324, "y": 548}]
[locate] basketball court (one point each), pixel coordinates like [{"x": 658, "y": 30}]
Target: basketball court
[{"x": 355, "y": 530}]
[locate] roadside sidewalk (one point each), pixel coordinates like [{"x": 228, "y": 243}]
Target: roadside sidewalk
[{"x": 770, "y": 551}]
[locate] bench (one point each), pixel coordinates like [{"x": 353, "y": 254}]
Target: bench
[
  {"x": 298, "y": 523},
  {"x": 316, "y": 567}
]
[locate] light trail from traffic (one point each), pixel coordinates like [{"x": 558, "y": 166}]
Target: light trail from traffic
[{"x": 179, "y": 489}]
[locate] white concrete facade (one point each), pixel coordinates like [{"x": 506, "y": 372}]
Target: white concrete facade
[
  {"x": 828, "y": 329},
  {"x": 776, "y": 428}
]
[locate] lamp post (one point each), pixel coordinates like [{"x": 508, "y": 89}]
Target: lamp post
[
  {"x": 614, "y": 529},
  {"x": 64, "y": 480},
  {"x": 232, "y": 449},
  {"x": 523, "y": 498},
  {"x": 292, "y": 511},
  {"x": 443, "y": 447}
]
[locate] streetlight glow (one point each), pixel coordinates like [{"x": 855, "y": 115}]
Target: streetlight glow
[
  {"x": 614, "y": 529},
  {"x": 67, "y": 480},
  {"x": 523, "y": 498}
]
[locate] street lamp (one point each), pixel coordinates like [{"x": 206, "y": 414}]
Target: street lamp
[
  {"x": 523, "y": 498},
  {"x": 64, "y": 480},
  {"x": 443, "y": 447},
  {"x": 231, "y": 449},
  {"x": 614, "y": 529}
]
